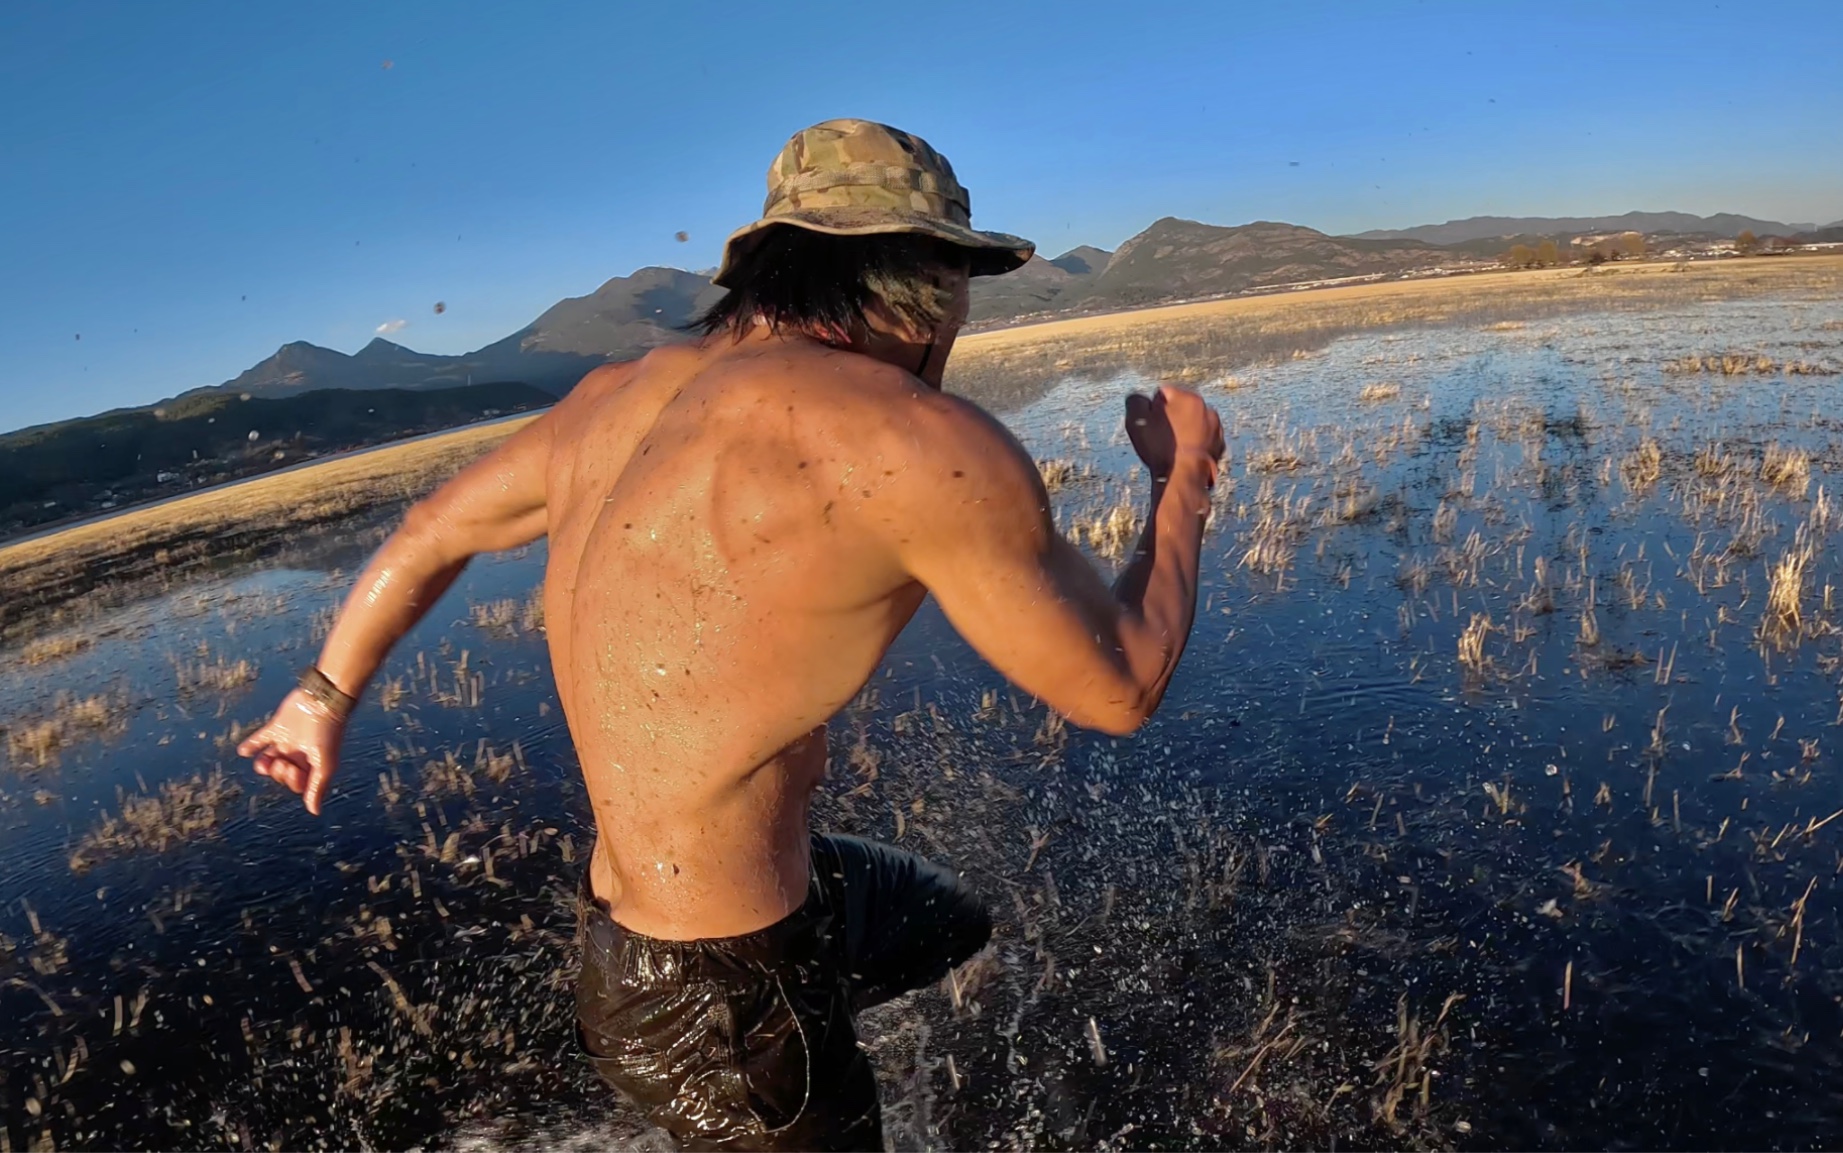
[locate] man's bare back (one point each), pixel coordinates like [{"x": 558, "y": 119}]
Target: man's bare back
[
  {"x": 715, "y": 593},
  {"x": 731, "y": 532}
]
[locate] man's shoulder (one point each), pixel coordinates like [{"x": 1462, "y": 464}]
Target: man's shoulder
[
  {"x": 610, "y": 383},
  {"x": 610, "y": 377},
  {"x": 940, "y": 443},
  {"x": 886, "y": 403},
  {"x": 948, "y": 468}
]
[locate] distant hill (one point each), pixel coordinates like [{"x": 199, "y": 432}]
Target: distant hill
[
  {"x": 1491, "y": 247},
  {"x": 621, "y": 319},
  {"x": 1040, "y": 288},
  {"x": 1030, "y": 289},
  {"x": 1179, "y": 259},
  {"x": 1083, "y": 261},
  {"x": 299, "y": 367},
  {"x": 1829, "y": 234},
  {"x": 1488, "y": 227},
  {"x": 51, "y": 472},
  {"x": 625, "y": 316}
]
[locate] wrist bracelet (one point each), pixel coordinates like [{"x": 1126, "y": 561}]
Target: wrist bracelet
[{"x": 321, "y": 689}]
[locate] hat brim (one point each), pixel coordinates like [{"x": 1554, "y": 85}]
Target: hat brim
[{"x": 992, "y": 253}]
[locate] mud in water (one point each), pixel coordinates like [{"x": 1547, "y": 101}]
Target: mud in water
[{"x": 1495, "y": 803}]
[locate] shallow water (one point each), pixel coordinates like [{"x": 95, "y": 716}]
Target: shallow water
[{"x": 1346, "y": 887}]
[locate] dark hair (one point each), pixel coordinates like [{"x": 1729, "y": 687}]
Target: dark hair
[{"x": 819, "y": 284}]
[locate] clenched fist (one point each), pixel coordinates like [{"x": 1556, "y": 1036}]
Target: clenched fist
[
  {"x": 298, "y": 747},
  {"x": 1172, "y": 425}
]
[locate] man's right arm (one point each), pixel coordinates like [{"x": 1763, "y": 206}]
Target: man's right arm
[{"x": 979, "y": 536}]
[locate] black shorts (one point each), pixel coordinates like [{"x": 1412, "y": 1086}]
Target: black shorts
[{"x": 748, "y": 1042}]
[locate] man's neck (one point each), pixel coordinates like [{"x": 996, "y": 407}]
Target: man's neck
[{"x": 913, "y": 358}]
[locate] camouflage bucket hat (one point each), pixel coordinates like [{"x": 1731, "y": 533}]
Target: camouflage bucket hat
[{"x": 857, "y": 178}]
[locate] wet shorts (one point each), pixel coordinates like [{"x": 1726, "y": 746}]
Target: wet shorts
[{"x": 748, "y": 1042}]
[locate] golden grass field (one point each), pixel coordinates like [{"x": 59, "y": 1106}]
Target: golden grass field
[
  {"x": 1189, "y": 343},
  {"x": 1436, "y": 299},
  {"x": 68, "y": 574}
]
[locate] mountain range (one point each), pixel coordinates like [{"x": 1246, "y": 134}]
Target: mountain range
[
  {"x": 1723, "y": 224},
  {"x": 624, "y": 317},
  {"x": 1171, "y": 260}
]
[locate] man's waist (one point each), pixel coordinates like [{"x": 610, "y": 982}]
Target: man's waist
[{"x": 798, "y": 939}]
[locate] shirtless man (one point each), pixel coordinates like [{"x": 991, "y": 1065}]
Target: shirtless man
[{"x": 739, "y": 528}]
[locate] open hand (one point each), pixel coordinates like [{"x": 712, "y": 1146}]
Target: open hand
[
  {"x": 1173, "y": 424},
  {"x": 298, "y": 747}
]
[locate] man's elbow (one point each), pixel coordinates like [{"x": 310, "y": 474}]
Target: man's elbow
[
  {"x": 1119, "y": 724},
  {"x": 426, "y": 533},
  {"x": 1120, "y": 717},
  {"x": 421, "y": 522},
  {"x": 1126, "y": 699}
]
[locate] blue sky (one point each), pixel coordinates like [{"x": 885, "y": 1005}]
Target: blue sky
[{"x": 190, "y": 185}]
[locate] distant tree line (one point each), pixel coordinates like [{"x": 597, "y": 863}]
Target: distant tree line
[
  {"x": 1614, "y": 248},
  {"x": 1543, "y": 255},
  {"x": 1747, "y": 243},
  {"x": 1548, "y": 254}
]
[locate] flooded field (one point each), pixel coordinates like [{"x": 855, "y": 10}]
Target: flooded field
[{"x": 1495, "y": 803}]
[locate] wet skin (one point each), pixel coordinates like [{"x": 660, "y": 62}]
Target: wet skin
[{"x": 738, "y": 530}]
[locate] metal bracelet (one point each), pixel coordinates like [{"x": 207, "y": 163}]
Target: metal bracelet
[{"x": 320, "y": 688}]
